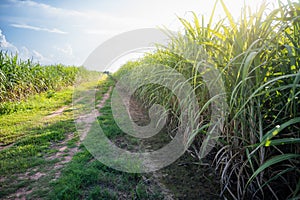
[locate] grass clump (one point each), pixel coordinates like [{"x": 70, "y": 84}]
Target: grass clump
[{"x": 258, "y": 65}]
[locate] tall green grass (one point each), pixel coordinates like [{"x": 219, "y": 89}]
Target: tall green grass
[
  {"x": 20, "y": 79},
  {"x": 258, "y": 60}
]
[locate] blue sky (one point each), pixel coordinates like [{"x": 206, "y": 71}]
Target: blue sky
[{"x": 67, "y": 31}]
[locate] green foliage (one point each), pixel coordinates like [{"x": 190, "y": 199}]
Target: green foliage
[
  {"x": 28, "y": 139},
  {"x": 259, "y": 62},
  {"x": 32, "y": 135},
  {"x": 15, "y": 125},
  {"x": 21, "y": 79}
]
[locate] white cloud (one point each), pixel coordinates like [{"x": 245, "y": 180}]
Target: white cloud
[
  {"x": 91, "y": 24},
  {"x": 25, "y": 26},
  {"x": 5, "y": 45},
  {"x": 65, "y": 54},
  {"x": 23, "y": 52},
  {"x": 38, "y": 56},
  {"x": 89, "y": 21},
  {"x": 35, "y": 56},
  {"x": 62, "y": 12},
  {"x": 46, "y": 7},
  {"x": 67, "y": 50},
  {"x": 101, "y": 32}
]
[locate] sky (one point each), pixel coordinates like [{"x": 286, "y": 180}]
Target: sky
[{"x": 67, "y": 31}]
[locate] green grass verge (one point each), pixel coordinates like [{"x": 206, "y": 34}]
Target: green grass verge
[
  {"x": 87, "y": 178},
  {"x": 28, "y": 137}
]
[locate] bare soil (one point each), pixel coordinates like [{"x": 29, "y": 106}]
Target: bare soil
[{"x": 183, "y": 179}]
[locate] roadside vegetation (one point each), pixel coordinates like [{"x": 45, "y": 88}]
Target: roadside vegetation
[
  {"x": 41, "y": 156},
  {"x": 36, "y": 119},
  {"x": 22, "y": 79},
  {"x": 28, "y": 139},
  {"x": 258, "y": 57}
]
